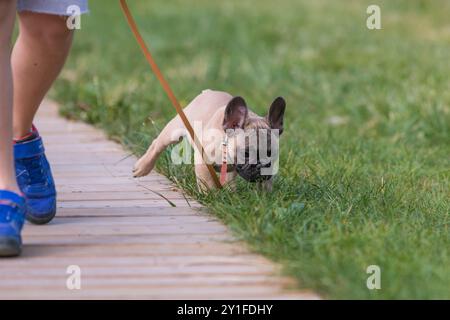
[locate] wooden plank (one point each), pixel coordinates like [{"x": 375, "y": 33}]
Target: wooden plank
[
  {"x": 142, "y": 195},
  {"x": 131, "y": 250},
  {"x": 116, "y": 229},
  {"x": 160, "y": 186},
  {"x": 129, "y": 212},
  {"x": 120, "y": 203},
  {"x": 163, "y": 263},
  {"x": 156, "y": 293},
  {"x": 111, "y": 179},
  {"x": 31, "y": 241},
  {"x": 96, "y": 271},
  {"x": 160, "y": 220},
  {"x": 92, "y": 168},
  {"x": 160, "y": 281}
]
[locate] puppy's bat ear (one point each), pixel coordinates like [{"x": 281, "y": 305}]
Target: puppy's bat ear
[
  {"x": 276, "y": 114},
  {"x": 236, "y": 113}
]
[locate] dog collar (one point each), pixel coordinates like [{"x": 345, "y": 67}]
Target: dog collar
[{"x": 223, "y": 169}]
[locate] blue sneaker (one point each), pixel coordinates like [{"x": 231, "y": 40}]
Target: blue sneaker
[
  {"x": 12, "y": 217},
  {"x": 35, "y": 180}
]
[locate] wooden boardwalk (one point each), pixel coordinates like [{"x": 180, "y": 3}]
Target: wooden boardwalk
[{"x": 127, "y": 240}]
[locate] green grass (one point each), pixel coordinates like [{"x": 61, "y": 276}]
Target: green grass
[{"x": 365, "y": 156}]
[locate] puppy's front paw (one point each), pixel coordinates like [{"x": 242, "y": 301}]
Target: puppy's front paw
[
  {"x": 141, "y": 168},
  {"x": 265, "y": 185}
]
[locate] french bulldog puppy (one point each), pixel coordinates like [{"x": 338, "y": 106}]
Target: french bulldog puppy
[{"x": 219, "y": 120}]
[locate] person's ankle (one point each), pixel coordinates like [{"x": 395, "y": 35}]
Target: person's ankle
[
  {"x": 10, "y": 187},
  {"x": 24, "y": 136},
  {"x": 23, "y": 133}
]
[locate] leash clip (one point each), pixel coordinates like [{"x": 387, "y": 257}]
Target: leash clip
[{"x": 225, "y": 140}]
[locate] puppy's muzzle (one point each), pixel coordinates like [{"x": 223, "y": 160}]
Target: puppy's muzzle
[{"x": 252, "y": 172}]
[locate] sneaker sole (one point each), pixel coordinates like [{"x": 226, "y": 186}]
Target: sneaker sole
[
  {"x": 44, "y": 220},
  {"x": 10, "y": 247}
]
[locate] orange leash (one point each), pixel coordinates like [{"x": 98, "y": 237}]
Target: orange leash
[{"x": 167, "y": 89}]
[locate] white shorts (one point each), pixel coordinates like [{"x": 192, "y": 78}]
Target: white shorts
[{"x": 57, "y": 7}]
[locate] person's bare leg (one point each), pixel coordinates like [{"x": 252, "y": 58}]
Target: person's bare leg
[
  {"x": 7, "y": 172},
  {"x": 38, "y": 56}
]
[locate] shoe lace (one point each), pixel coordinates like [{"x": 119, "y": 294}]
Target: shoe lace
[{"x": 34, "y": 168}]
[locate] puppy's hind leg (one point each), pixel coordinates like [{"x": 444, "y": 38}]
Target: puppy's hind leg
[{"x": 172, "y": 133}]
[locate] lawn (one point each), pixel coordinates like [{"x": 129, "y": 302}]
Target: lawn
[{"x": 364, "y": 169}]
